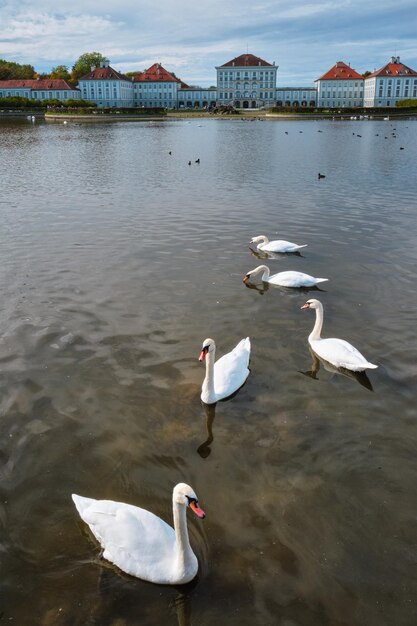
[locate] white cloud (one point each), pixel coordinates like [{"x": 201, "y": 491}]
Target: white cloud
[{"x": 189, "y": 38}]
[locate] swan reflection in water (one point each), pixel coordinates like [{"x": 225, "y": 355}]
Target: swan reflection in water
[
  {"x": 204, "y": 448},
  {"x": 262, "y": 254},
  {"x": 120, "y": 595},
  {"x": 263, "y": 288},
  {"x": 360, "y": 377}
]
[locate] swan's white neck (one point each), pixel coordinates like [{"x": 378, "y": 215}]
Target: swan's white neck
[
  {"x": 184, "y": 556},
  {"x": 315, "y": 333},
  {"x": 208, "y": 394},
  {"x": 266, "y": 274}
]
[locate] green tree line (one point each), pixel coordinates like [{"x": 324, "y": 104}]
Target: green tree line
[{"x": 10, "y": 70}]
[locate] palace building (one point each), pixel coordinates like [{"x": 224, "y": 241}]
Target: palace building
[
  {"x": 106, "y": 87},
  {"x": 341, "y": 86},
  {"x": 393, "y": 82},
  {"x": 39, "y": 89},
  {"x": 247, "y": 82}
]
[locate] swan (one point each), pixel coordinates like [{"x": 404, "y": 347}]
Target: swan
[
  {"x": 285, "y": 279},
  {"x": 226, "y": 375},
  {"x": 139, "y": 542},
  {"x": 279, "y": 245},
  {"x": 338, "y": 352}
]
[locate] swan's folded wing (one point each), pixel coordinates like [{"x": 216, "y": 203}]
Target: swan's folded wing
[
  {"x": 134, "y": 539},
  {"x": 231, "y": 370},
  {"x": 340, "y": 353}
]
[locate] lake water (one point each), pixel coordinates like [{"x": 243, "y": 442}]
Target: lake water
[{"x": 116, "y": 261}]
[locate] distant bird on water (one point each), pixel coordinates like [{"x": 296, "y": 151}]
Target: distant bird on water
[
  {"x": 321, "y": 175},
  {"x": 197, "y": 160},
  {"x": 170, "y": 152},
  {"x": 286, "y": 132},
  {"x": 189, "y": 162}
]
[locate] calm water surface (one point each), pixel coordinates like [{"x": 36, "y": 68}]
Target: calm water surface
[{"x": 116, "y": 261}]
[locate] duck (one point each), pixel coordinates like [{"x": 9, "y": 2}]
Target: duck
[
  {"x": 225, "y": 376},
  {"x": 319, "y": 176},
  {"x": 285, "y": 279},
  {"x": 278, "y": 245},
  {"x": 337, "y": 352},
  {"x": 141, "y": 544}
]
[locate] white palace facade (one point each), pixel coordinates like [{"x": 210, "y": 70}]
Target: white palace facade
[{"x": 246, "y": 82}]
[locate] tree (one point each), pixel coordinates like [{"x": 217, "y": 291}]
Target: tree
[
  {"x": 84, "y": 63},
  {"x": 60, "y": 71},
  {"x": 11, "y": 70},
  {"x": 367, "y": 73}
]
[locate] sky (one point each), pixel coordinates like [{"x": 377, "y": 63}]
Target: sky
[{"x": 190, "y": 38}]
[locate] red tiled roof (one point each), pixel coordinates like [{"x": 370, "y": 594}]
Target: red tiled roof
[
  {"x": 155, "y": 73},
  {"x": 104, "y": 73},
  {"x": 247, "y": 60},
  {"x": 394, "y": 69},
  {"x": 340, "y": 71},
  {"x": 36, "y": 83}
]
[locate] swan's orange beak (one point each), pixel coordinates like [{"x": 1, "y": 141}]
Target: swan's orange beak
[
  {"x": 305, "y": 306},
  {"x": 196, "y": 509},
  {"x": 245, "y": 278},
  {"x": 203, "y": 353}
]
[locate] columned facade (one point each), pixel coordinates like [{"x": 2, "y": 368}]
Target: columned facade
[{"x": 247, "y": 82}]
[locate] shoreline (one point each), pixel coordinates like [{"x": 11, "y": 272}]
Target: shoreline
[{"x": 178, "y": 115}]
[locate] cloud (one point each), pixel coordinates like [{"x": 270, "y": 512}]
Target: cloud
[{"x": 189, "y": 38}]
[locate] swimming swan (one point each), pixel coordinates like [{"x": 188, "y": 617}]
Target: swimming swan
[
  {"x": 279, "y": 245},
  {"x": 226, "y": 375},
  {"x": 338, "y": 352},
  {"x": 285, "y": 279},
  {"x": 139, "y": 542}
]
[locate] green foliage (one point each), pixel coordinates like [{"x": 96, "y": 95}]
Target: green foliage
[
  {"x": 367, "y": 73},
  {"x": 16, "y": 102},
  {"x": 407, "y": 103},
  {"x": 83, "y": 64},
  {"x": 74, "y": 104},
  {"x": 10, "y": 70},
  {"x": 60, "y": 71}
]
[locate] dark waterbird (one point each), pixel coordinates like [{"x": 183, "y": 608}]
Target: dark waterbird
[{"x": 321, "y": 175}]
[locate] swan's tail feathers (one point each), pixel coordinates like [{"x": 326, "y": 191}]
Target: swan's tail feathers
[
  {"x": 371, "y": 366},
  {"x": 81, "y": 503},
  {"x": 304, "y": 245},
  {"x": 321, "y": 280},
  {"x": 246, "y": 345},
  {"x": 243, "y": 346}
]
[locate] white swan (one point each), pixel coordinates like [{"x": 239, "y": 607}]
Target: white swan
[
  {"x": 226, "y": 375},
  {"x": 285, "y": 279},
  {"x": 139, "y": 542},
  {"x": 338, "y": 352},
  {"x": 279, "y": 245}
]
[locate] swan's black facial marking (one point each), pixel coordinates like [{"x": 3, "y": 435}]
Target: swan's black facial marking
[
  {"x": 191, "y": 499},
  {"x": 205, "y": 350}
]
